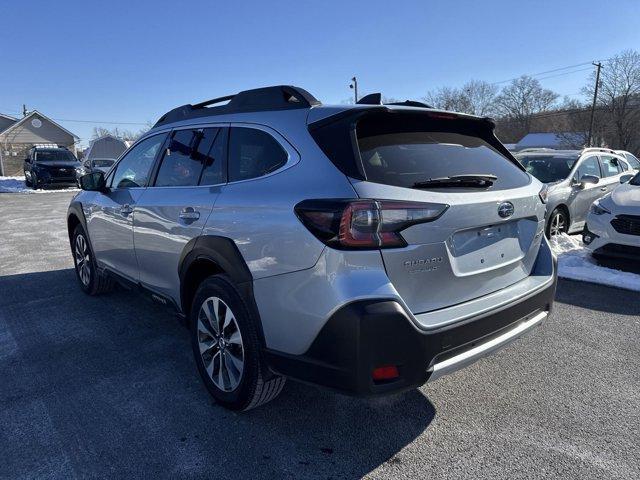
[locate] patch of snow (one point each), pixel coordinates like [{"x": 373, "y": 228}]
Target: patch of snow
[
  {"x": 17, "y": 185},
  {"x": 575, "y": 262}
]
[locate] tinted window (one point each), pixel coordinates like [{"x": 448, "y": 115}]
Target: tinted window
[
  {"x": 134, "y": 168},
  {"x": 253, "y": 153},
  {"x": 610, "y": 166},
  {"x": 589, "y": 166},
  {"x": 548, "y": 168},
  {"x": 54, "y": 156},
  {"x": 214, "y": 171},
  {"x": 184, "y": 158},
  {"x": 398, "y": 150}
]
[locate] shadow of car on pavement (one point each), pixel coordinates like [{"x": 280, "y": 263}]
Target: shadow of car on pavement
[{"x": 97, "y": 386}]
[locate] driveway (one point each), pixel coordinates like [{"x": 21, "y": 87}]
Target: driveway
[{"x": 106, "y": 387}]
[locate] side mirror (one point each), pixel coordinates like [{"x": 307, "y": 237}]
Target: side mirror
[
  {"x": 588, "y": 180},
  {"x": 626, "y": 178},
  {"x": 93, "y": 182}
]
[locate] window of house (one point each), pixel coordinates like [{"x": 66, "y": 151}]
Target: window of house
[{"x": 253, "y": 153}]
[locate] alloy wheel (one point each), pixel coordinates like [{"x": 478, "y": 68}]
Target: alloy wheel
[
  {"x": 220, "y": 344},
  {"x": 83, "y": 260},
  {"x": 558, "y": 224}
]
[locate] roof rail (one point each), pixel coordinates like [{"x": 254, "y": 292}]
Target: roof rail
[
  {"x": 280, "y": 97},
  {"x": 598, "y": 149},
  {"x": 536, "y": 149},
  {"x": 376, "y": 99}
]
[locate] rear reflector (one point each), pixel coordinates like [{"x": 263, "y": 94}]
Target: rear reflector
[{"x": 388, "y": 372}]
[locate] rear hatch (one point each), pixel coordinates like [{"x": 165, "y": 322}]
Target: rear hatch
[{"x": 488, "y": 237}]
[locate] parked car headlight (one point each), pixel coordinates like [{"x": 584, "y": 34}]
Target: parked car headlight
[
  {"x": 80, "y": 171},
  {"x": 598, "y": 209}
]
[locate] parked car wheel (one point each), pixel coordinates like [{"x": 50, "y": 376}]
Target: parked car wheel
[
  {"x": 558, "y": 223},
  {"x": 27, "y": 182},
  {"x": 34, "y": 181},
  {"x": 227, "y": 348},
  {"x": 92, "y": 281}
]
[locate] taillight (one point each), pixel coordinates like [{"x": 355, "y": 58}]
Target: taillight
[
  {"x": 544, "y": 194},
  {"x": 364, "y": 224}
]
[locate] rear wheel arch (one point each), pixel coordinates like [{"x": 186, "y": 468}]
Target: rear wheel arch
[{"x": 214, "y": 255}]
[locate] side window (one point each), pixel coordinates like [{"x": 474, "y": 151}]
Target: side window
[
  {"x": 589, "y": 166},
  {"x": 214, "y": 169},
  {"x": 134, "y": 168},
  {"x": 633, "y": 161},
  {"x": 610, "y": 167},
  {"x": 184, "y": 158},
  {"x": 253, "y": 153}
]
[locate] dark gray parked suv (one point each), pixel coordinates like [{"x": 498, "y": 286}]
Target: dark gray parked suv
[{"x": 367, "y": 248}]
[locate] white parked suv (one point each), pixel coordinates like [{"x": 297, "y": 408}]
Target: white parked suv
[{"x": 612, "y": 230}]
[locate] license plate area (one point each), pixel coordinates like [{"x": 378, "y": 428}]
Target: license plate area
[{"x": 484, "y": 248}]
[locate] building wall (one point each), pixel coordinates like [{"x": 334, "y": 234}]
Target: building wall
[{"x": 15, "y": 143}]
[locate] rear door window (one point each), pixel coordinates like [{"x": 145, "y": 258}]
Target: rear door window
[
  {"x": 397, "y": 152},
  {"x": 633, "y": 161},
  {"x": 185, "y": 157}
]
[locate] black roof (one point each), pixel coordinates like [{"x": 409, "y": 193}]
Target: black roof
[{"x": 280, "y": 97}]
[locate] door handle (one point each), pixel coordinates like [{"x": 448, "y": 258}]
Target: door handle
[
  {"x": 126, "y": 210},
  {"x": 189, "y": 214}
]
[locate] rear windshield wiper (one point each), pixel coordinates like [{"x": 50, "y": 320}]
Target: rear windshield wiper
[{"x": 469, "y": 180}]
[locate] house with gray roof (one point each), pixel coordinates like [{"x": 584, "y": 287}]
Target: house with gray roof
[{"x": 17, "y": 136}]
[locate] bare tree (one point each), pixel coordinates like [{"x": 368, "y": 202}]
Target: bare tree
[
  {"x": 448, "y": 98},
  {"x": 619, "y": 97},
  {"x": 126, "y": 135},
  {"x": 521, "y": 99},
  {"x": 475, "y": 97}
]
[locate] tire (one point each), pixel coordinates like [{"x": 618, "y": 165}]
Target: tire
[
  {"x": 230, "y": 365},
  {"x": 34, "y": 181},
  {"x": 557, "y": 223},
  {"x": 27, "y": 182},
  {"x": 92, "y": 281}
]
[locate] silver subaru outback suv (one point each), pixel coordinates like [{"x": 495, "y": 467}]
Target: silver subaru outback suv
[{"x": 366, "y": 248}]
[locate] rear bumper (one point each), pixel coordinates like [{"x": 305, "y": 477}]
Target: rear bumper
[{"x": 368, "y": 334}]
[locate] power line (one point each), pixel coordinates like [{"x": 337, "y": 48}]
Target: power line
[
  {"x": 106, "y": 122},
  {"x": 552, "y": 71}
]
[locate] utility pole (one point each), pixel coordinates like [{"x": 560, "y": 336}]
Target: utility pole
[
  {"x": 354, "y": 86},
  {"x": 24, "y": 110},
  {"x": 595, "y": 98}
]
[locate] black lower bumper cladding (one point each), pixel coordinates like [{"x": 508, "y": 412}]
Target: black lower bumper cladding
[
  {"x": 619, "y": 252},
  {"x": 368, "y": 334}
]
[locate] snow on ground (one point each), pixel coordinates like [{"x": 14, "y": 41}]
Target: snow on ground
[
  {"x": 16, "y": 185},
  {"x": 575, "y": 262}
]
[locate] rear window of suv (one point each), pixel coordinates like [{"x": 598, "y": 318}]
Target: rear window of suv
[{"x": 403, "y": 150}]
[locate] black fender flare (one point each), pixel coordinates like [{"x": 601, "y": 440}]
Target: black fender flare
[
  {"x": 224, "y": 254},
  {"x": 75, "y": 209}
]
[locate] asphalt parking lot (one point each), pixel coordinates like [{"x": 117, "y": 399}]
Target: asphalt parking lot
[{"x": 107, "y": 387}]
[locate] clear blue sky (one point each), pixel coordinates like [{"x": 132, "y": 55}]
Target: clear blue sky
[{"x": 131, "y": 61}]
